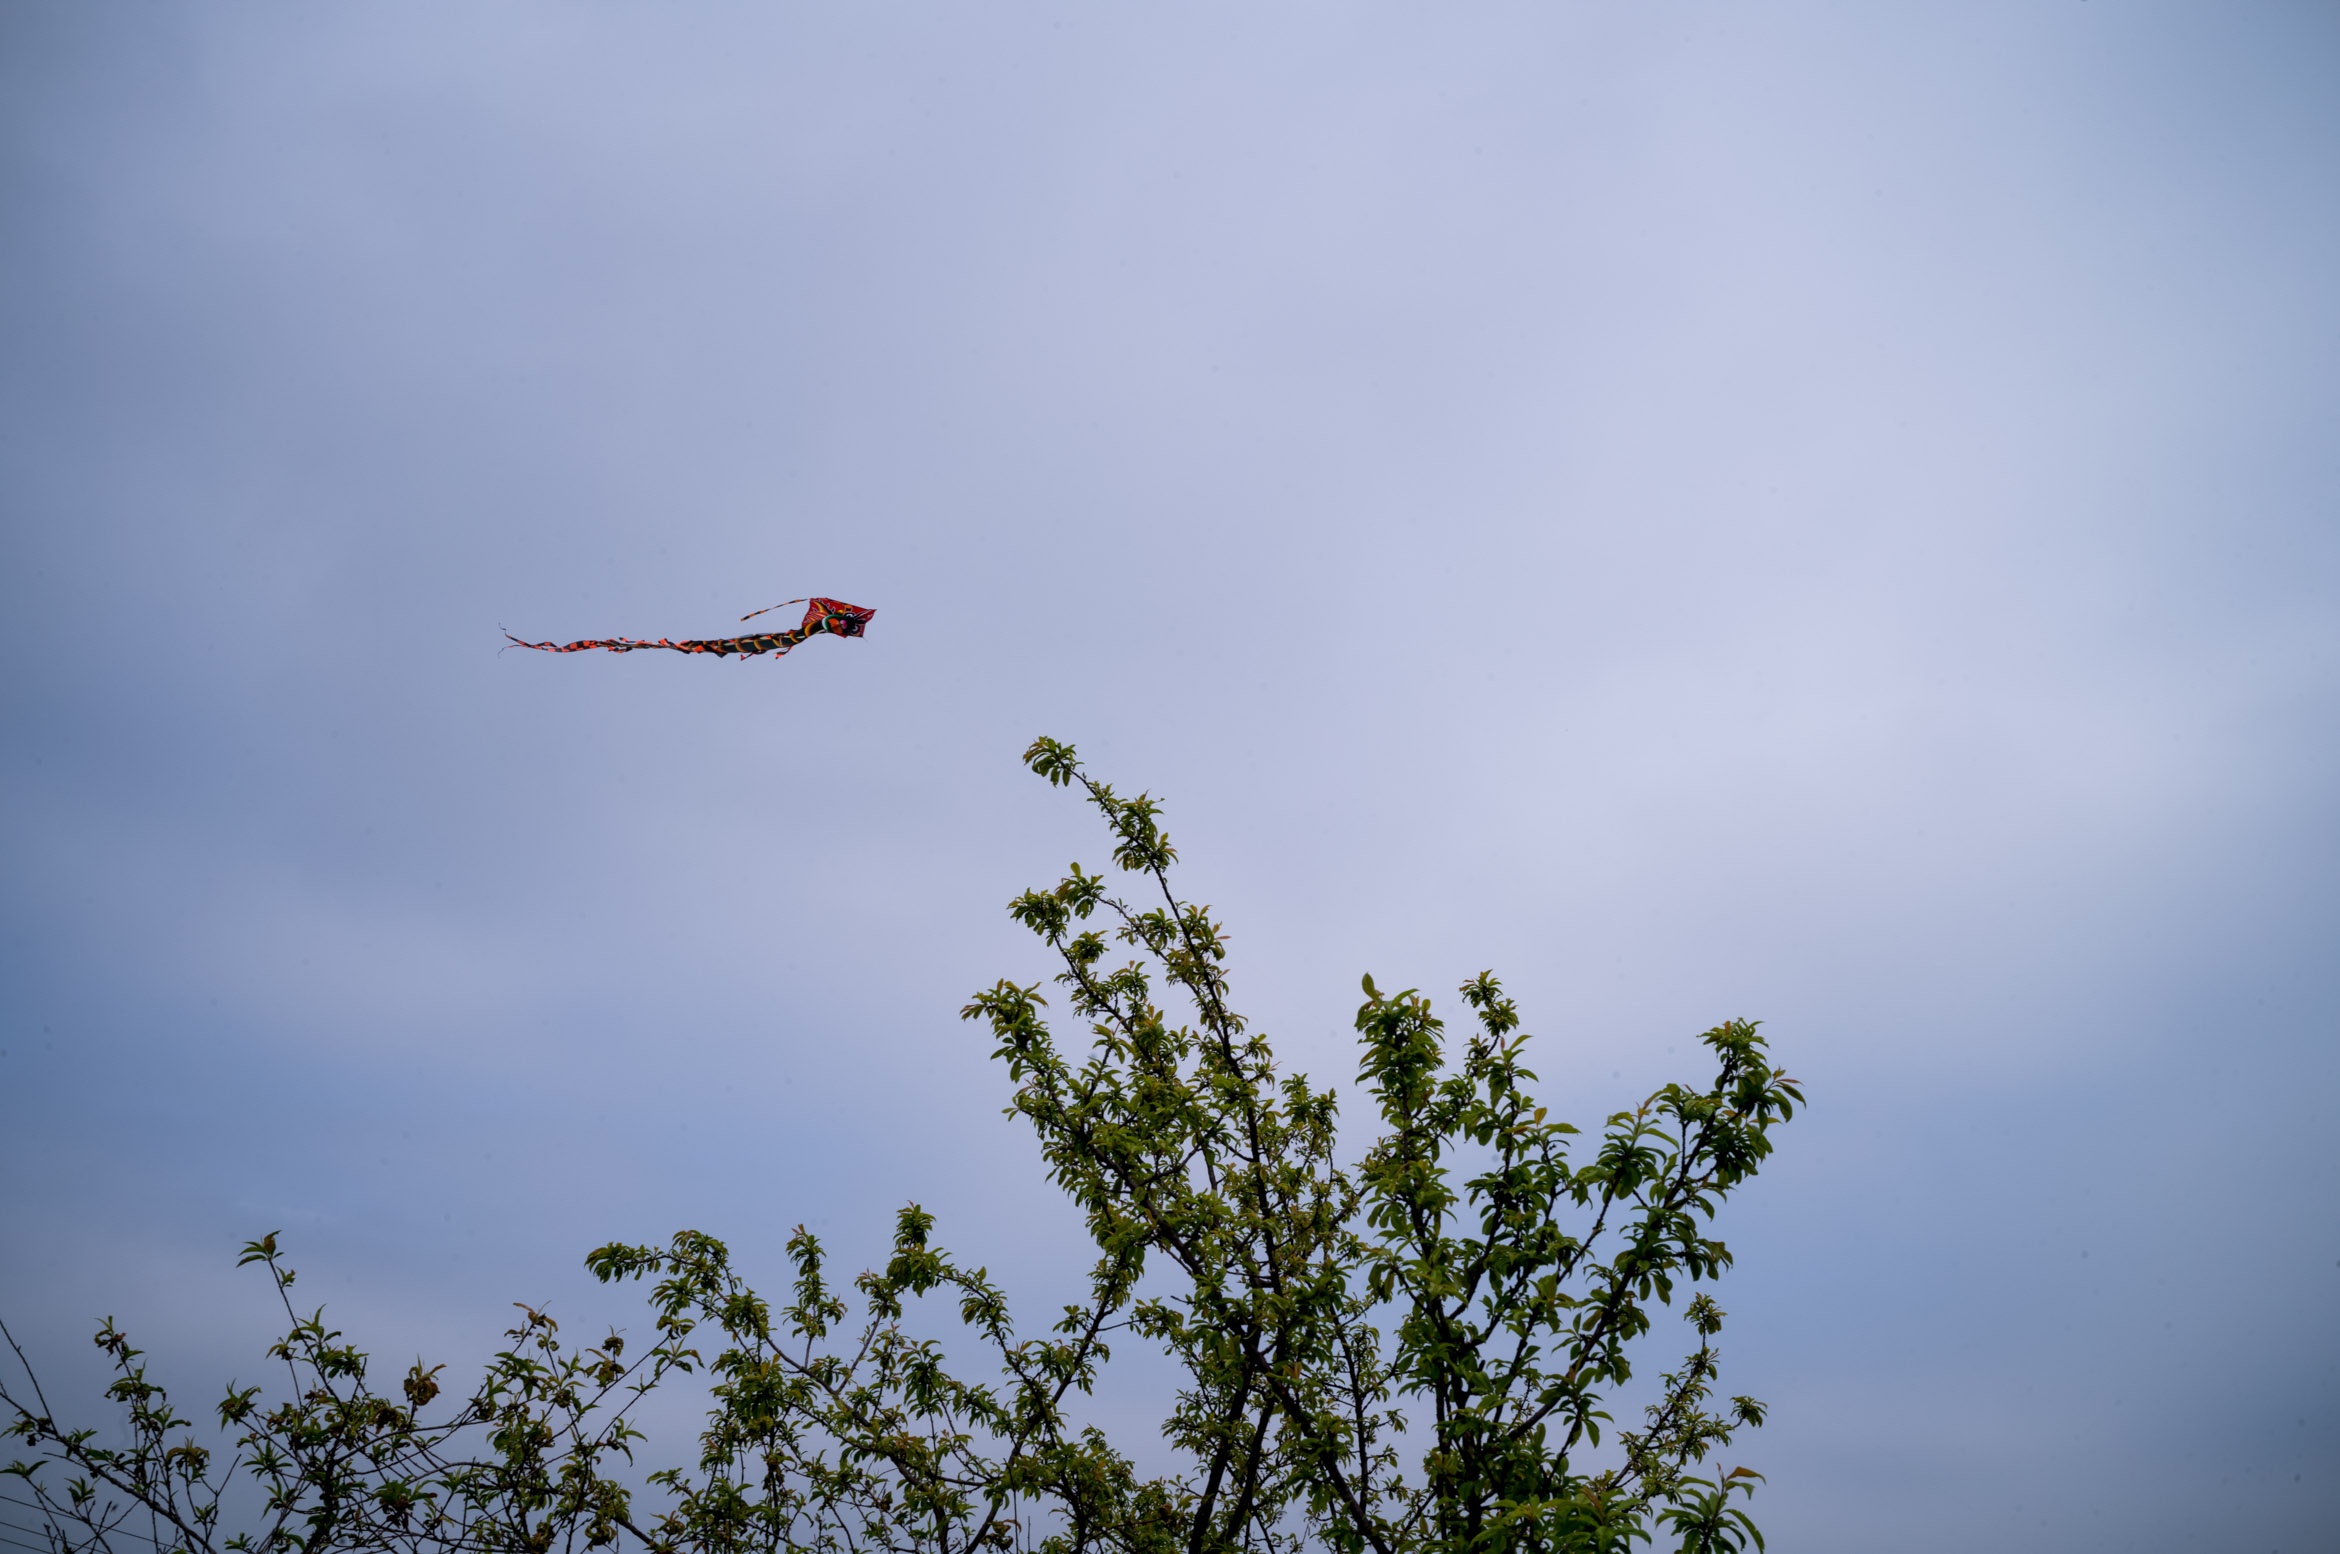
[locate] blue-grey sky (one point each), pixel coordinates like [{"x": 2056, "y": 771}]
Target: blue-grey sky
[{"x": 1820, "y": 513}]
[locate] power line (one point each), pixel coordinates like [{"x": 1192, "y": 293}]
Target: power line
[
  {"x": 94, "y": 1531},
  {"x": 89, "y": 1538}
]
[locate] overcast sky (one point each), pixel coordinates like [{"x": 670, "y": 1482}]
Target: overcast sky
[{"x": 1824, "y": 514}]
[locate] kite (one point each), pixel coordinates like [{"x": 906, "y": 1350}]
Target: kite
[{"x": 833, "y": 616}]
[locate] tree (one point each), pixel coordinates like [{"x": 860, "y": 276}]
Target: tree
[{"x": 1409, "y": 1351}]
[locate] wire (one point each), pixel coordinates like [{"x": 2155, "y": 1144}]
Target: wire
[
  {"x": 30, "y": 1505},
  {"x": 105, "y": 1532},
  {"x": 67, "y": 1540}
]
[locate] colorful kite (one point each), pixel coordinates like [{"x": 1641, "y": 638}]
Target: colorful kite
[{"x": 833, "y": 616}]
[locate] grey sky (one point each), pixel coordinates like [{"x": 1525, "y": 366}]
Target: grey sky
[{"x": 1819, "y": 513}]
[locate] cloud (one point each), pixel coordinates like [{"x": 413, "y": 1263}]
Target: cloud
[{"x": 1808, "y": 515}]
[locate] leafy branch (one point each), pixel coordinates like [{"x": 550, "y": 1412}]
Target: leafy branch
[{"x": 1415, "y": 1351}]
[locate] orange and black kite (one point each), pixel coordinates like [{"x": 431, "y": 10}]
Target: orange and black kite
[{"x": 833, "y": 616}]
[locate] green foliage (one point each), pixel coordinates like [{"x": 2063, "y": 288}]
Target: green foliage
[{"x": 1408, "y": 1352}]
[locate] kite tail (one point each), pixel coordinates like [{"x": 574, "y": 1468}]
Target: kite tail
[
  {"x": 776, "y": 643},
  {"x": 614, "y": 644},
  {"x": 721, "y": 647},
  {"x": 832, "y": 616}
]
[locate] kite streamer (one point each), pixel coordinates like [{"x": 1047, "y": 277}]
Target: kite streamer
[{"x": 833, "y": 616}]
